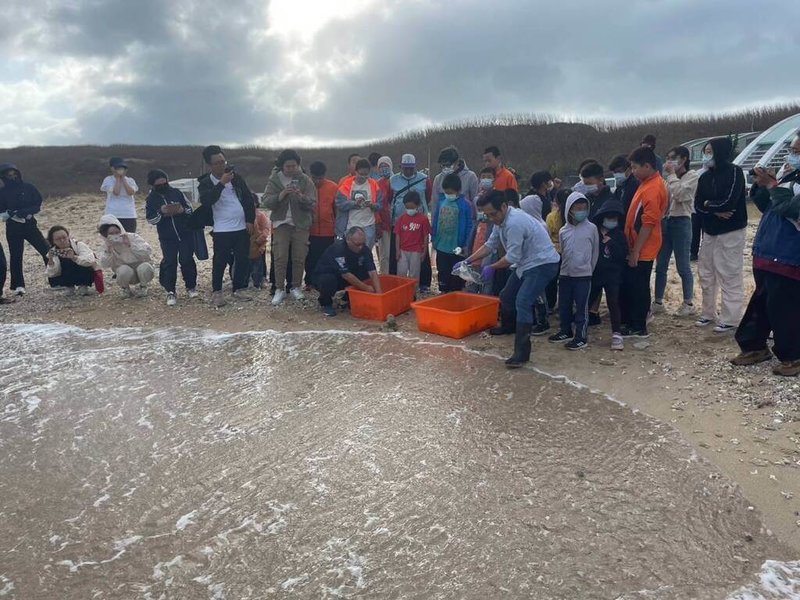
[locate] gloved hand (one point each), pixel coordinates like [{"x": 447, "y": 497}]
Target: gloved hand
[
  {"x": 457, "y": 266},
  {"x": 487, "y": 273}
]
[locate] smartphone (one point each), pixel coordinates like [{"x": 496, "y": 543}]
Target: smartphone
[{"x": 230, "y": 169}]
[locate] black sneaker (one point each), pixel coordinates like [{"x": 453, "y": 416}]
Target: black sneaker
[
  {"x": 559, "y": 338},
  {"x": 637, "y": 333},
  {"x": 594, "y": 319},
  {"x": 576, "y": 344},
  {"x": 540, "y": 330}
]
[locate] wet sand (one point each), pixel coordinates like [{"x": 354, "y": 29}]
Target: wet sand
[{"x": 179, "y": 463}]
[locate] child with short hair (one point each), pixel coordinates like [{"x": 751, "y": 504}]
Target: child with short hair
[
  {"x": 259, "y": 239},
  {"x": 580, "y": 246},
  {"x": 412, "y": 231},
  {"x": 610, "y": 222},
  {"x": 451, "y": 230}
]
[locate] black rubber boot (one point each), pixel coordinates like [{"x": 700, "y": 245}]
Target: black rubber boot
[
  {"x": 522, "y": 346},
  {"x": 508, "y": 324}
]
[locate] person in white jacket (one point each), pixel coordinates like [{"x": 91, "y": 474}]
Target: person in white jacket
[
  {"x": 127, "y": 254},
  {"x": 677, "y": 230},
  {"x": 70, "y": 263}
]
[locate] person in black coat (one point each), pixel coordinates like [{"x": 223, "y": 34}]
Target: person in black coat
[
  {"x": 720, "y": 202},
  {"x": 20, "y": 202},
  {"x": 607, "y": 276},
  {"x": 168, "y": 209}
]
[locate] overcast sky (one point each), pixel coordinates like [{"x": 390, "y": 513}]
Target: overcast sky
[{"x": 283, "y": 72}]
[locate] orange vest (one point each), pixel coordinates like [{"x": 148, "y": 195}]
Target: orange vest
[{"x": 347, "y": 186}]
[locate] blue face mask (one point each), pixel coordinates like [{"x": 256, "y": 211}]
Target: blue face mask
[
  {"x": 580, "y": 215},
  {"x": 793, "y": 160},
  {"x": 487, "y": 184},
  {"x": 386, "y": 172},
  {"x": 708, "y": 161},
  {"x": 450, "y": 197},
  {"x": 610, "y": 223}
]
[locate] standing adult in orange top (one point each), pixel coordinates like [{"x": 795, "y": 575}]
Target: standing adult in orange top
[
  {"x": 323, "y": 229},
  {"x": 503, "y": 178},
  {"x": 643, "y": 232}
]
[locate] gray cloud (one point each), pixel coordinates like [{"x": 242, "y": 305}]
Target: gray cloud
[{"x": 200, "y": 71}]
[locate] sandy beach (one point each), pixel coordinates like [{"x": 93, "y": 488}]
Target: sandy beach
[{"x": 745, "y": 422}]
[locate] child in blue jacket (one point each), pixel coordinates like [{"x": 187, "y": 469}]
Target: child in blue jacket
[{"x": 452, "y": 228}]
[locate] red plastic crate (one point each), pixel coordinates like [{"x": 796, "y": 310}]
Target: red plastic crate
[
  {"x": 456, "y": 315},
  {"x": 398, "y": 294}
]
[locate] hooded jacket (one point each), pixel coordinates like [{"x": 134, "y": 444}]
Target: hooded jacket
[
  {"x": 21, "y": 200},
  {"x": 776, "y": 247},
  {"x": 302, "y": 205},
  {"x": 469, "y": 184},
  {"x": 614, "y": 250},
  {"x": 84, "y": 257},
  {"x": 169, "y": 228},
  {"x": 721, "y": 189},
  {"x": 532, "y": 204},
  {"x": 130, "y": 250},
  {"x": 580, "y": 243}
]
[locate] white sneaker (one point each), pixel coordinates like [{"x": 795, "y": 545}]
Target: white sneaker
[
  {"x": 297, "y": 294},
  {"x": 703, "y": 322},
  {"x": 723, "y": 328},
  {"x": 171, "y": 299},
  {"x": 192, "y": 293},
  {"x": 617, "y": 342},
  {"x": 20, "y": 291},
  {"x": 83, "y": 290},
  {"x": 279, "y": 297},
  {"x": 657, "y": 308},
  {"x": 686, "y": 310}
]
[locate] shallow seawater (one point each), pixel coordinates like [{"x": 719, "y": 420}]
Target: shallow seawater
[{"x": 190, "y": 464}]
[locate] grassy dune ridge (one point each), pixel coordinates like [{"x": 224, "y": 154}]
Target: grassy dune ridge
[{"x": 529, "y": 143}]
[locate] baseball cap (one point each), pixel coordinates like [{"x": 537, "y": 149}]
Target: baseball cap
[
  {"x": 117, "y": 162},
  {"x": 408, "y": 160}
]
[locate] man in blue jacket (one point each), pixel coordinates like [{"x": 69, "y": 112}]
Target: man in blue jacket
[
  {"x": 168, "y": 209},
  {"x": 19, "y": 203}
]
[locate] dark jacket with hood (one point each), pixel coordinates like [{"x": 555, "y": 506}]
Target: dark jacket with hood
[
  {"x": 210, "y": 193},
  {"x": 721, "y": 189},
  {"x": 614, "y": 252},
  {"x": 776, "y": 247},
  {"x": 169, "y": 228},
  {"x": 21, "y": 200},
  {"x": 624, "y": 193}
]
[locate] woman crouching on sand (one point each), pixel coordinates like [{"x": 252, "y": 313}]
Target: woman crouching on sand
[
  {"x": 127, "y": 254},
  {"x": 70, "y": 263}
]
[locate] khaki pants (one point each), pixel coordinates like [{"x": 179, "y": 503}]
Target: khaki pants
[
  {"x": 284, "y": 238},
  {"x": 384, "y": 250},
  {"x": 720, "y": 267},
  {"x": 128, "y": 276}
]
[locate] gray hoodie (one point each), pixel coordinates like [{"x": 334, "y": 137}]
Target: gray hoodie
[{"x": 580, "y": 244}]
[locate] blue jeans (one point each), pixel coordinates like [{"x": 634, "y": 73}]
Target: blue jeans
[
  {"x": 677, "y": 238},
  {"x": 520, "y": 294},
  {"x": 574, "y": 291}
]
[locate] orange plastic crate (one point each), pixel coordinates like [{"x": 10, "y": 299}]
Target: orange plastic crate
[
  {"x": 456, "y": 315},
  {"x": 398, "y": 294}
]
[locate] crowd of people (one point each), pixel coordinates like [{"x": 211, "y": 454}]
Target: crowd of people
[{"x": 553, "y": 250}]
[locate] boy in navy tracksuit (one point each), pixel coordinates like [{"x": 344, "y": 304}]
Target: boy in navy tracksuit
[
  {"x": 579, "y": 243},
  {"x": 168, "y": 209},
  {"x": 610, "y": 222}
]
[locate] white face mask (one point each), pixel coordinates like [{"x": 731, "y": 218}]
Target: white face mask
[
  {"x": 708, "y": 161},
  {"x": 411, "y": 212}
]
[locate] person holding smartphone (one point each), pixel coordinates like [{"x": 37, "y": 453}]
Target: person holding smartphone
[
  {"x": 291, "y": 196},
  {"x": 120, "y": 190},
  {"x": 228, "y": 205}
]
